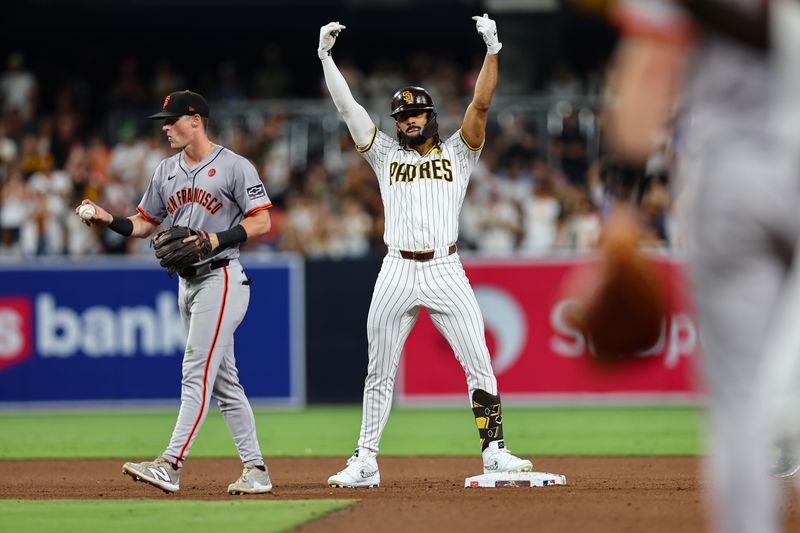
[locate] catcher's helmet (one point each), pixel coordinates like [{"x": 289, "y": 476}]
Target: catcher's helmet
[{"x": 417, "y": 99}]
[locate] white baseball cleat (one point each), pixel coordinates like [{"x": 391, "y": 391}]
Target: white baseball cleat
[
  {"x": 496, "y": 458},
  {"x": 361, "y": 471},
  {"x": 158, "y": 473},
  {"x": 252, "y": 481}
]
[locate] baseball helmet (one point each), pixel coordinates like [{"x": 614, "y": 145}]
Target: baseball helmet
[
  {"x": 416, "y": 99},
  {"x": 411, "y": 98}
]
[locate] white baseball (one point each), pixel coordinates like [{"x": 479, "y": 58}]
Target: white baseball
[{"x": 86, "y": 212}]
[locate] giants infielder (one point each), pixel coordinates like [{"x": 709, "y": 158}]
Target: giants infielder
[
  {"x": 204, "y": 186},
  {"x": 422, "y": 181},
  {"x": 744, "y": 219}
]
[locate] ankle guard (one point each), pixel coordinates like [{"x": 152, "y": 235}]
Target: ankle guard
[{"x": 488, "y": 417}]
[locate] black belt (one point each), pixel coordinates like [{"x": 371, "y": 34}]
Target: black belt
[
  {"x": 425, "y": 255},
  {"x": 205, "y": 268}
]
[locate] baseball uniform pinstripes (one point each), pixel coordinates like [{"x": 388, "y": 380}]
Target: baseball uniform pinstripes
[
  {"x": 403, "y": 286},
  {"x": 422, "y": 194},
  {"x": 422, "y": 197}
]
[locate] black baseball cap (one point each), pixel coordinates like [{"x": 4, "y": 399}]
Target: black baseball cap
[{"x": 182, "y": 103}]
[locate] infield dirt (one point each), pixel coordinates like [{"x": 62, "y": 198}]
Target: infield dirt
[{"x": 603, "y": 494}]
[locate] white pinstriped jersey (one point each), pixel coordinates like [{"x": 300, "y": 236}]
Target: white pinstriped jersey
[{"x": 422, "y": 194}]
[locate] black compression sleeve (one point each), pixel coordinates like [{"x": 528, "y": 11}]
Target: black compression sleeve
[
  {"x": 123, "y": 226},
  {"x": 232, "y": 236}
]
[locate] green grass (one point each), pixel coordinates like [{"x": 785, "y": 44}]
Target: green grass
[
  {"x": 333, "y": 431},
  {"x": 122, "y": 516}
]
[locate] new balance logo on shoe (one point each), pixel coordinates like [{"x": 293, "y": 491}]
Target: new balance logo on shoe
[
  {"x": 160, "y": 473},
  {"x": 492, "y": 466}
]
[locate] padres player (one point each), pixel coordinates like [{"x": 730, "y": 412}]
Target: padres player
[
  {"x": 209, "y": 187},
  {"x": 422, "y": 181},
  {"x": 744, "y": 225}
]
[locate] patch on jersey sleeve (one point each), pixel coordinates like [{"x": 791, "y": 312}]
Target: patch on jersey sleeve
[{"x": 256, "y": 191}]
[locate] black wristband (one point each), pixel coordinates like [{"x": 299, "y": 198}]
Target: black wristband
[
  {"x": 232, "y": 236},
  {"x": 123, "y": 226}
]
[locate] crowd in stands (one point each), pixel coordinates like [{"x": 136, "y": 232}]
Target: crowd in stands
[{"x": 533, "y": 193}]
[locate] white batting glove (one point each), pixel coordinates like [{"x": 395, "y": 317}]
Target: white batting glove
[
  {"x": 327, "y": 38},
  {"x": 488, "y": 30}
]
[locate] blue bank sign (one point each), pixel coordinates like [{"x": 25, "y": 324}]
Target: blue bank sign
[{"x": 111, "y": 330}]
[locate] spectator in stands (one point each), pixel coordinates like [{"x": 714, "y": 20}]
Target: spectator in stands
[
  {"x": 356, "y": 226},
  {"x": 541, "y": 212},
  {"x": 8, "y": 150},
  {"x": 128, "y": 92},
  {"x": 166, "y": 80},
  {"x": 581, "y": 228},
  {"x": 271, "y": 79},
  {"x": 500, "y": 226},
  {"x": 571, "y": 148},
  {"x": 18, "y": 89},
  {"x": 13, "y": 213}
]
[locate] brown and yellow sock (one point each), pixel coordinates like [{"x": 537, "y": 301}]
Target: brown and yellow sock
[{"x": 488, "y": 416}]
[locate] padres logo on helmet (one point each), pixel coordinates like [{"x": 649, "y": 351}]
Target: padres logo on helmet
[{"x": 411, "y": 98}]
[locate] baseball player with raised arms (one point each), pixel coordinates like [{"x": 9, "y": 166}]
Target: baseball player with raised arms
[
  {"x": 209, "y": 187},
  {"x": 422, "y": 181}
]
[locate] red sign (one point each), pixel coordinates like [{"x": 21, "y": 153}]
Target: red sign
[
  {"x": 537, "y": 354},
  {"x": 16, "y": 337}
]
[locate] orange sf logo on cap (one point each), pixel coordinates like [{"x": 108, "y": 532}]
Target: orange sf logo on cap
[
  {"x": 407, "y": 97},
  {"x": 166, "y": 101}
]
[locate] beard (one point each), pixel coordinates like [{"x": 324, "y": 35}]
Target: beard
[{"x": 416, "y": 140}]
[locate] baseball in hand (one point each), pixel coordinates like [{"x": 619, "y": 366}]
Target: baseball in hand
[{"x": 86, "y": 212}]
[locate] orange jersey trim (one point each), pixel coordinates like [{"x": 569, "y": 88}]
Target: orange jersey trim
[
  {"x": 675, "y": 31},
  {"x": 208, "y": 364},
  {"x": 147, "y": 217},
  {"x": 257, "y": 209}
]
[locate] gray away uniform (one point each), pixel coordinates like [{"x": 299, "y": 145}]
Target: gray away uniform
[
  {"x": 214, "y": 196},
  {"x": 743, "y": 227}
]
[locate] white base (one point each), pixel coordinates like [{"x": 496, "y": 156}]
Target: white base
[{"x": 515, "y": 479}]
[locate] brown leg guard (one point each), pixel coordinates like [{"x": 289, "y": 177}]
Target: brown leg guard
[{"x": 488, "y": 416}]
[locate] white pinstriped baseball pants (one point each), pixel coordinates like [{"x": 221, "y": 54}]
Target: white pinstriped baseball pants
[{"x": 403, "y": 286}]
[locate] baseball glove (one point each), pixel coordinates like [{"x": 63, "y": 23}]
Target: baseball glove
[
  {"x": 174, "y": 254},
  {"x": 622, "y": 306}
]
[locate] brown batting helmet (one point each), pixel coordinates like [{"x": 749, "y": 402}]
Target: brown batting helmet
[
  {"x": 411, "y": 99},
  {"x": 416, "y": 99}
]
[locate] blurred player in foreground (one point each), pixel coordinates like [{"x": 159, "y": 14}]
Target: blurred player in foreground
[{"x": 743, "y": 224}]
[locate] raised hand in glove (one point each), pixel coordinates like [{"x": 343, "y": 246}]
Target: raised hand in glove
[
  {"x": 327, "y": 38},
  {"x": 180, "y": 247},
  {"x": 487, "y": 28}
]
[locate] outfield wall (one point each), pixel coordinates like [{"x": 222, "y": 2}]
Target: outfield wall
[
  {"x": 538, "y": 356},
  {"x": 109, "y": 330}
]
